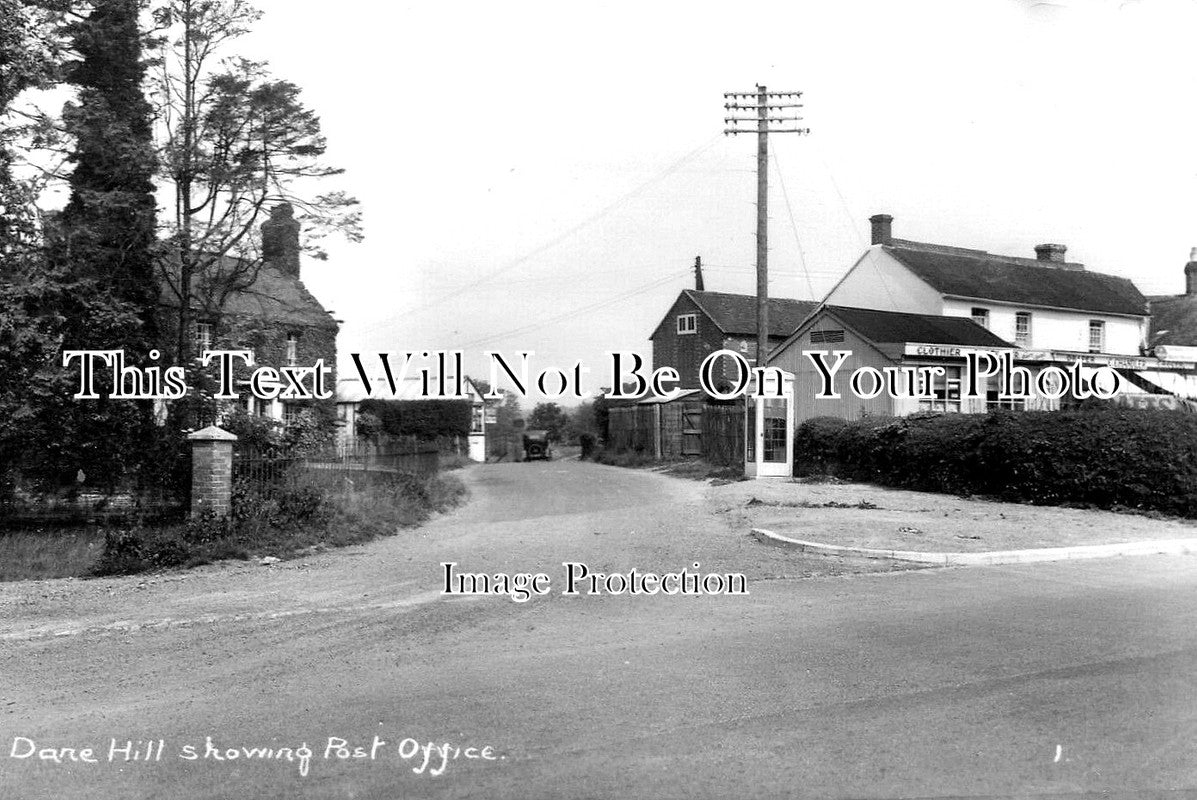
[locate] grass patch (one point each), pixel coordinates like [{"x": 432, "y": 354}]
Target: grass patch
[
  {"x": 313, "y": 513},
  {"x": 41, "y": 553},
  {"x": 316, "y": 512},
  {"x": 451, "y": 461},
  {"x": 860, "y": 504},
  {"x": 692, "y": 468},
  {"x": 624, "y": 458}
]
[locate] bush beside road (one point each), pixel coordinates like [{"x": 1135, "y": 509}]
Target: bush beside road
[{"x": 1099, "y": 457}]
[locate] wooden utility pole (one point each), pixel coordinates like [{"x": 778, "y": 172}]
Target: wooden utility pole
[{"x": 762, "y": 102}]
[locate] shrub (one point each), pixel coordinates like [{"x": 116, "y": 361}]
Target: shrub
[
  {"x": 424, "y": 419},
  {"x": 296, "y": 517},
  {"x": 1106, "y": 457}
]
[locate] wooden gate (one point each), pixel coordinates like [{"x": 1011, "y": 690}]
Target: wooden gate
[{"x": 692, "y": 429}]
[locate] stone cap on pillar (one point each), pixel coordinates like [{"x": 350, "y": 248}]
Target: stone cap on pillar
[{"x": 211, "y": 434}]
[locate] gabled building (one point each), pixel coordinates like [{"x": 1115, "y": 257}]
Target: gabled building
[
  {"x": 1038, "y": 304},
  {"x": 885, "y": 339},
  {"x": 1173, "y": 334},
  {"x": 351, "y": 393},
  {"x": 1174, "y": 317},
  {"x": 700, "y": 323},
  {"x": 263, "y": 307}
]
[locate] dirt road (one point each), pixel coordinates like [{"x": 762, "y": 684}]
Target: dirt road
[{"x": 215, "y": 683}]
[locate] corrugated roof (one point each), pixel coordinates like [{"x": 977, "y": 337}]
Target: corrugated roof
[
  {"x": 735, "y": 314},
  {"x": 1174, "y": 320},
  {"x": 975, "y": 273},
  {"x": 892, "y": 327}
]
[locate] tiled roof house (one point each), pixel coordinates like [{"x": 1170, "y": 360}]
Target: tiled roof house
[
  {"x": 1042, "y": 303},
  {"x": 275, "y": 316},
  {"x": 1174, "y": 317},
  {"x": 700, "y": 322}
]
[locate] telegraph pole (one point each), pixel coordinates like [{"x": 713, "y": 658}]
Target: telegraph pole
[{"x": 763, "y": 102}]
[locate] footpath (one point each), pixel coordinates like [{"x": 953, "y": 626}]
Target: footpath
[{"x": 851, "y": 519}]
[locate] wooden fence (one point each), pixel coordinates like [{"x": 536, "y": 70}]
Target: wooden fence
[{"x": 679, "y": 430}]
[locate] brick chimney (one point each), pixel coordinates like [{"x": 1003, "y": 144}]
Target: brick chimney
[
  {"x": 280, "y": 240},
  {"x": 882, "y": 228},
  {"x": 1051, "y": 252},
  {"x": 1191, "y": 274}
]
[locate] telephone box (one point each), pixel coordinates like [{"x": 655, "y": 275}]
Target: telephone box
[{"x": 769, "y": 425}]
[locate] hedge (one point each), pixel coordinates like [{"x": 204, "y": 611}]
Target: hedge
[
  {"x": 427, "y": 420},
  {"x": 1142, "y": 459}
]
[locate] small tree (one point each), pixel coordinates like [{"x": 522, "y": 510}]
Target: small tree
[{"x": 549, "y": 417}]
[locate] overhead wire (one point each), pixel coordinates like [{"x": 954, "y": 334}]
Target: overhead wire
[
  {"x": 574, "y": 312},
  {"x": 793, "y": 224},
  {"x": 508, "y": 265},
  {"x": 860, "y": 237}
]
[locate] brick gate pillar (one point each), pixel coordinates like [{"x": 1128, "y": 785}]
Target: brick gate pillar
[{"x": 211, "y": 471}]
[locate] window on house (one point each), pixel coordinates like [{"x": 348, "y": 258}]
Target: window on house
[
  {"x": 1022, "y": 329},
  {"x": 291, "y": 412},
  {"x": 1097, "y": 336},
  {"x": 993, "y": 402},
  {"x": 944, "y": 391},
  {"x": 1017, "y": 391},
  {"x": 687, "y": 323},
  {"x": 292, "y": 349},
  {"x": 981, "y": 317},
  {"x": 202, "y": 338},
  {"x": 826, "y": 337}
]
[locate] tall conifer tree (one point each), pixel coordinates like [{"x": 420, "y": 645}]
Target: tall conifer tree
[{"x": 108, "y": 226}]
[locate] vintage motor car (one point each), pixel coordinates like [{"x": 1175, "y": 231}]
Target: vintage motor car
[{"x": 536, "y": 445}]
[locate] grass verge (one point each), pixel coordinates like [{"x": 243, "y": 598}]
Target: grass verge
[
  {"x": 40, "y": 553},
  {"x": 313, "y": 513},
  {"x": 692, "y": 468}
]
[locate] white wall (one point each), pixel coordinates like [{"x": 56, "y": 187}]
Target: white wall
[
  {"x": 880, "y": 282},
  {"x": 1055, "y": 330}
]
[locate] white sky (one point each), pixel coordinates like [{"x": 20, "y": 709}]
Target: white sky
[{"x": 545, "y": 144}]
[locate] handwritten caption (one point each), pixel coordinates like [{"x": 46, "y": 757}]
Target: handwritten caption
[{"x": 423, "y": 757}]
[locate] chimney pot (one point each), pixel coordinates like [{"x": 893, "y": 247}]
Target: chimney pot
[
  {"x": 882, "y": 228},
  {"x": 1051, "y": 252},
  {"x": 280, "y": 240},
  {"x": 1191, "y": 274}
]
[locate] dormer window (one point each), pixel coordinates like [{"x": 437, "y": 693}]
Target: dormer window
[
  {"x": 1022, "y": 329},
  {"x": 981, "y": 317},
  {"x": 687, "y": 323},
  {"x": 292, "y": 349}
]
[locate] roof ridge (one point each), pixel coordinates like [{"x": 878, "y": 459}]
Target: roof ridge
[
  {"x": 901, "y": 313},
  {"x": 1025, "y": 261},
  {"x": 746, "y": 296}
]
